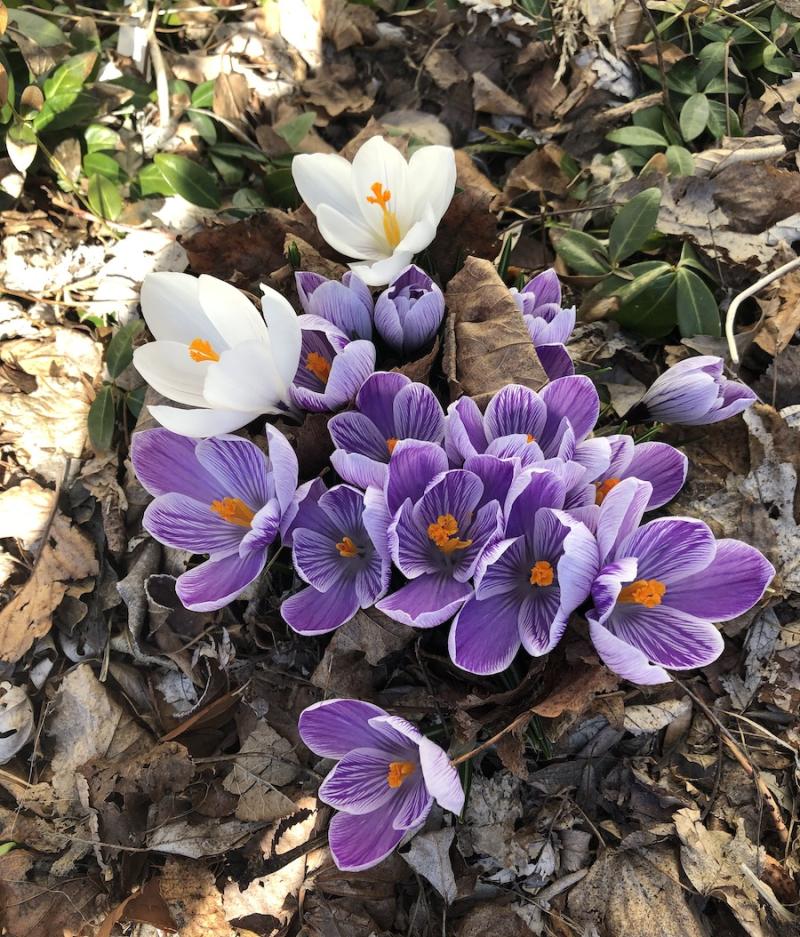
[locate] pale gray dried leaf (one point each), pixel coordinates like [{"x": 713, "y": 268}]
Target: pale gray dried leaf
[
  {"x": 16, "y": 720},
  {"x": 208, "y": 837},
  {"x": 652, "y": 717},
  {"x": 429, "y": 855},
  {"x": 759, "y": 645},
  {"x": 266, "y": 761},
  {"x": 24, "y": 511}
]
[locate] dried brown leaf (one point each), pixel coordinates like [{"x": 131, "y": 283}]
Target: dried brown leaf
[
  {"x": 429, "y": 856},
  {"x": 493, "y": 100}
]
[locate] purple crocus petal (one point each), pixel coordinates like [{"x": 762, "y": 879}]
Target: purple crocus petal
[
  {"x": 555, "y": 359},
  {"x": 335, "y": 727},
  {"x": 412, "y": 803},
  {"x": 165, "y": 462},
  {"x": 350, "y": 368},
  {"x": 666, "y": 636},
  {"x": 376, "y": 400},
  {"x": 730, "y": 585},
  {"x": 304, "y": 398},
  {"x": 622, "y": 447},
  {"x": 215, "y": 583},
  {"x": 496, "y": 475},
  {"x": 545, "y": 286},
  {"x": 734, "y": 398},
  {"x": 594, "y": 455},
  {"x": 412, "y": 550},
  {"x": 418, "y": 414},
  {"x": 357, "y": 469},
  {"x": 240, "y": 466},
  {"x": 283, "y": 465},
  {"x": 358, "y": 783},
  {"x": 578, "y": 564},
  {"x": 464, "y": 432},
  {"x": 486, "y": 527},
  {"x": 516, "y": 446},
  {"x": 316, "y": 558},
  {"x": 422, "y": 321},
  {"x": 502, "y": 567},
  {"x": 608, "y": 585},
  {"x": 344, "y": 506},
  {"x": 425, "y": 602},
  {"x": 307, "y": 282},
  {"x": 181, "y": 522},
  {"x": 344, "y": 308},
  {"x": 401, "y": 730},
  {"x": 312, "y": 612},
  {"x": 663, "y": 466},
  {"x": 441, "y": 778},
  {"x": 456, "y": 493},
  {"x": 531, "y": 491},
  {"x": 355, "y": 432},
  {"x": 413, "y": 466},
  {"x": 372, "y": 580},
  {"x": 387, "y": 322},
  {"x": 620, "y": 513},
  {"x": 622, "y": 659},
  {"x": 305, "y": 511},
  {"x": 515, "y": 409},
  {"x": 574, "y": 398},
  {"x": 484, "y": 637},
  {"x": 539, "y": 622},
  {"x": 681, "y": 397},
  {"x": 360, "y": 842},
  {"x": 263, "y": 528},
  {"x": 670, "y": 548},
  {"x": 377, "y": 520}
]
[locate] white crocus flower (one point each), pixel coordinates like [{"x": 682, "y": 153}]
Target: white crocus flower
[
  {"x": 215, "y": 353},
  {"x": 380, "y": 209}
]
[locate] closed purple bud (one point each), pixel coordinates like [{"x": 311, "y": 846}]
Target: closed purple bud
[
  {"x": 696, "y": 392},
  {"x": 409, "y": 312},
  {"x": 346, "y": 304},
  {"x": 549, "y": 326}
]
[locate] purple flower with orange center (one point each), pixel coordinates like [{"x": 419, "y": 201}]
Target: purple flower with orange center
[
  {"x": 347, "y": 304},
  {"x": 658, "y": 463},
  {"x": 549, "y": 326},
  {"x": 331, "y": 369},
  {"x": 390, "y": 407},
  {"x": 333, "y": 552},
  {"x": 385, "y": 782},
  {"x": 662, "y": 585},
  {"x": 220, "y": 496}
]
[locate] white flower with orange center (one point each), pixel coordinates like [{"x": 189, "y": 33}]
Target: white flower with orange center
[
  {"x": 215, "y": 353},
  {"x": 380, "y": 209}
]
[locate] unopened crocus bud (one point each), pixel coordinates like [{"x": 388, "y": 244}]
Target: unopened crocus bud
[
  {"x": 409, "y": 312},
  {"x": 549, "y": 326},
  {"x": 695, "y": 392},
  {"x": 346, "y": 304}
]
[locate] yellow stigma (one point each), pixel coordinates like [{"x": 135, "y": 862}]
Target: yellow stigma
[
  {"x": 233, "y": 510},
  {"x": 399, "y": 771},
  {"x": 603, "y": 489},
  {"x": 347, "y": 548},
  {"x": 443, "y": 534},
  {"x": 391, "y": 443},
  {"x": 542, "y": 574},
  {"x": 391, "y": 227},
  {"x": 201, "y": 350},
  {"x": 318, "y": 366},
  {"x": 647, "y": 592}
]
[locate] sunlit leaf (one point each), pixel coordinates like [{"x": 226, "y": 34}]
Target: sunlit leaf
[
  {"x": 190, "y": 180},
  {"x": 698, "y": 312},
  {"x": 633, "y": 224},
  {"x": 104, "y": 197}
]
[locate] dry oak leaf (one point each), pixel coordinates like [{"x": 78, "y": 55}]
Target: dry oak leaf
[
  {"x": 493, "y": 100},
  {"x": 67, "y": 555},
  {"x": 487, "y": 344},
  {"x": 265, "y": 762},
  {"x": 195, "y": 903}
]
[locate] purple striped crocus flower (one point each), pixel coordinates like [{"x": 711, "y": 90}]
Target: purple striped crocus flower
[
  {"x": 661, "y": 585},
  {"x": 436, "y": 542},
  {"x": 527, "y": 585},
  {"x": 347, "y": 304},
  {"x": 695, "y": 392},
  {"x": 656, "y": 462},
  {"x": 549, "y": 326},
  {"x": 334, "y": 553},
  {"x": 220, "y": 496},
  {"x": 390, "y": 407},
  {"x": 385, "y": 781},
  {"x": 409, "y": 312},
  {"x": 331, "y": 369}
]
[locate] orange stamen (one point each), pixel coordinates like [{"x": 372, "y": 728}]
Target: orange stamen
[
  {"x": 391, "y": 227},
  {"x": 391, "y": 443},
  {"x": 201, "y": 350},
  {"x": 233, "y": 510},
  {"x": 647, "y": 592},
  {"x": 531, "y": 438},
  {"x": 443, "y": 534},
  {"x": 603, "y": 489},
  {"x": 347, "y": 548},
  {"x": 542, "y": 574},
  {"x": 318, "y": 366},
  {"x": 399, "y": 771}
]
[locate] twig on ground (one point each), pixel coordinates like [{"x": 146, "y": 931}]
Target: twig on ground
[
  {"x": 662, "y": 71},
  {"x": 162, "y": 83},
  {"x": 520, "y": 719}
]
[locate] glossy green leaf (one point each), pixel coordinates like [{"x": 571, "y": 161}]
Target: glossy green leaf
[
  {"x": 694, "y": 116},
  {"x": 648, "y": 307},
  {"x": 102, "y": 164},
  {"x": 240, "y": 151},
  {"x": 70, "y": 109},
  {"x": 190, "y": 180},
  {"x": 633, "y": 225},
  {"x": 70, "y": 76},
  {"x": 680, "y": 161},
  {"x": 231, "y": 172},
  {"x": 43, "y": 32},
  {"x": 104, "y": 197},
  {"x": 637, "y": 136},
  {"x": 134, "y": 400},
  {"x": 248, "y": 200},
  {"x": 99, "y": 137},
  {"x": 102, "y": 415},
  {"x": 203, "y": 94},
  {"x": 582, "y": 252},
  {"x": 698, "y": 313},
  {"x": 120, "y": 349},
  {"x": 294, "y": 131},
  {"x": 152, "y": 182},
  {"x": 204, "y": 125},
  {"x": 280, "y": 188}
]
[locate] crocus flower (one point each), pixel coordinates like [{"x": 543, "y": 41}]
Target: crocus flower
[
  {"x": 409, "y": 313},
  {"x": 220, "y": 496},
  {"x": 334, "y": 554},
  {"x": 549, "y": 326},
  {"x": 385, "y": 782},
  {"x": 527, "y": 586},
  {"x": 436, "y": 543},
  {"x": 660, "y": 587},
  {"x": 695, "y": 392},
  {"x": 381, "y": 209},
  {"x": 215, "y": 353},
  {"x": 390, "y": 407},
  {"x": 655, "y": 462},
  {"x": 331, "y": 369},
  {"x": 347, "y": 304}
]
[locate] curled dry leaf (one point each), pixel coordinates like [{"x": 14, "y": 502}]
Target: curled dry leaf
[
  {"x": 429, "y": 855},
  {"x": 265, "y": 762},
  {"x": 16, "y": 720},
  {"x": 653, "y": 717}
]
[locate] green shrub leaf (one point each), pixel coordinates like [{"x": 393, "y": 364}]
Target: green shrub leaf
[
  {"x": 189, "y": 180},
  {"x": 633, "y": 224}
]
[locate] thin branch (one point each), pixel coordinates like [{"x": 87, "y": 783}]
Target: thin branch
[
  {"x": 660, "y": 57},
  {"x": 520, "y": 720}
]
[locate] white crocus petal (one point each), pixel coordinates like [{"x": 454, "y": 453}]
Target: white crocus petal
[
  {"x": 284, "y": 333},
  {"x": 382, "y": 271},
  {"x": 229, "y": 310},
  {"x": 324, "y": 179},
  {"x": 245, "y": 378},
  {"x": 419, "y": 235},
  {"x": 172, "y": 310},
  {"x": 201, "y": 424},
  {"x": 379, "y": 162},
  {"x": 168, "y": 369},
  {"x": 433, "y": 171},
  {"x": 350, "y": 236}
]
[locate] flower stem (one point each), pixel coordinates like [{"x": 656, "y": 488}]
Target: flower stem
[{"x": 520, "y": 720}]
